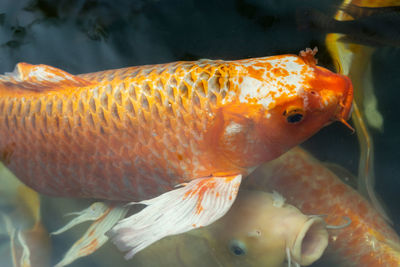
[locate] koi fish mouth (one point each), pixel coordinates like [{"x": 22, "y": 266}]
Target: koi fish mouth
[{"x": 346, "y": 104}]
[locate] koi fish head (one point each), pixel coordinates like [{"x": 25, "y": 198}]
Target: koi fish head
[
  {"x": 271, "y": 227},
  {"x": 282, "y": 101}
]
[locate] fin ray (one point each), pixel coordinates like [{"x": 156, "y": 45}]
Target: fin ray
[
  {"x": 95, "y": 236},
  {"x": 92, "y": 213}
]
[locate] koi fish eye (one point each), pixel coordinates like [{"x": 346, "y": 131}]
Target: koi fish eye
[
  {"x": 238, "y": 248},
  {"x": 294, "y": 114}
]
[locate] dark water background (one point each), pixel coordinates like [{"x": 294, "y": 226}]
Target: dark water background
[{"x": 90, "y": 35}]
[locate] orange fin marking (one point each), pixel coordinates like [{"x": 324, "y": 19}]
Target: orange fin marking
[
  {"x": 201, "y": 188},
  {"x": 40, "y": 77}
]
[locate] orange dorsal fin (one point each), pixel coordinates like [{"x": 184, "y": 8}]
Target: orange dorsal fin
[{"x": 40, "y": 77}]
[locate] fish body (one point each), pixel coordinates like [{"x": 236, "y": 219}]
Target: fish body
[
  {"x": 367, "y": 241},
  {"x": 179, "y": 137},
  {"x": 133, "y": 133}
]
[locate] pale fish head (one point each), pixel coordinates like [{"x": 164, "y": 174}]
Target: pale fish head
[{"x": 258, "y": 230}]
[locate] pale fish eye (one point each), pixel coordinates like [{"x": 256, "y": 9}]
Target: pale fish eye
[{"x": 238, "y": 248}]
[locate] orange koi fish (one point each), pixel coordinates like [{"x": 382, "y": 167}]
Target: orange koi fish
[
  {"x": 135, "y": 133},
  {"x": 368, "y": 241}
]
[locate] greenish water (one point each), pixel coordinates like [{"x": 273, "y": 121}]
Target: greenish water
[{"x": 82, "y": 36}]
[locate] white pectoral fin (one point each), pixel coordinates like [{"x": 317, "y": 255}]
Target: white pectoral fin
[
  {"x": 197, "y": 204},
  {"x": 106, "y": 216},
  {"x": 92, "y": 213},
  {"x": 20, "y": 252}
]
